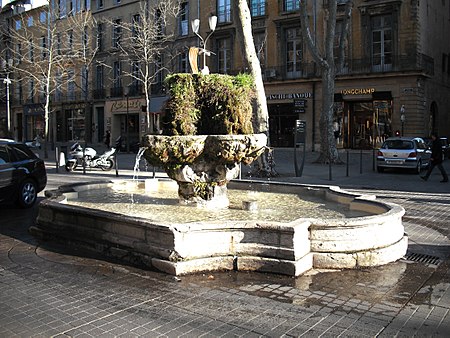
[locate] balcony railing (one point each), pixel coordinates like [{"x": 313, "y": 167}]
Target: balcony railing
[
  {"x": 401, "y": 63},
  {"x": 116, "y": 92},
  {"x": 135, "y": 90},
  {"x": 99, "y": 94}
]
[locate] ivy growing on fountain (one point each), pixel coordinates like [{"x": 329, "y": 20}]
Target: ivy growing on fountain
[{"x": 214, "y": 104}]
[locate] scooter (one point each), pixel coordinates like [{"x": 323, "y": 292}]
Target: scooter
[{"x": 88, "y": 156}]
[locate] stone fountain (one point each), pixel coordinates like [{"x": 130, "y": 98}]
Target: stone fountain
[{"x": 203, "y": 165}]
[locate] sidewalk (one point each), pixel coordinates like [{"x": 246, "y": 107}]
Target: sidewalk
[
  {"x": 358, "y": 172},
  {"x": 55, "y": 292}
]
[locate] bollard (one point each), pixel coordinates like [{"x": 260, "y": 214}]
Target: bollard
[
  {"x": 330, "y": 176},
  {"x": 57, "y": 158},
  {"x": 116, "y": 164},
  {"x": 373, "y": 158},
  {"x": 346, "y": 171},
  {"x": 84, "y": 158},
  {"x": 360, "y": 161}
]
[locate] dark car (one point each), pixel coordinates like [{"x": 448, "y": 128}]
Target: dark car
[{"x": 22, "y": 174}]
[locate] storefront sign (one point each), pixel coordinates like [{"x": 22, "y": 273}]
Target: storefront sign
[
  {"x": 124, "y": 105},
  {"x": 289, "y": 96},
  {"x": 357, "y": 91},
  {"x": 299, "y": 106},
  {"x": 33, "y": 109}
]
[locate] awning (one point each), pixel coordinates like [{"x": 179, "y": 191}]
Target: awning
[{"x": 157, "y": 104}]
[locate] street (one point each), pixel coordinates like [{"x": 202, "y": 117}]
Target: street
[{"x": 54, "y": 291}]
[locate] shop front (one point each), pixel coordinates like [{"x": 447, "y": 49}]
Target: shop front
[
  {"x": 34, "y": 122},
  {"x": 362, "y": 118},
  {"x": 124, "y": 119},
  {"x": 284, "y": 110}
]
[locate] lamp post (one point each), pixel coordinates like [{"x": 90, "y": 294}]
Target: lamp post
[
  {"x": 402, "y": 116},
  {"x": 195, "y": 28},
  {"x": 7, "y": 82}
]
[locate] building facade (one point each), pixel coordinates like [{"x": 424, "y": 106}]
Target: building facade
[{"x": 396, "y": 75}]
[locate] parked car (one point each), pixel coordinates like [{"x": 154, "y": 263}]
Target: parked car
[
  {"x": 22, "y": 174},
  {"x": 403, "y": 152}
]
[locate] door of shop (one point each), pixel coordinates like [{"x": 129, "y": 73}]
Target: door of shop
[
  {"x": 281, "y": 125},
  {"x": 364, "y": 124}
]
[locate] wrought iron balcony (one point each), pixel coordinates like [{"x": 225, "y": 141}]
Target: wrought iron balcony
[
  {"x": 397, "y": 63},
  {"x": 99, "y": 94},
  {"x": 135, "y": 90},
  {"x": 116, "y": 92}
]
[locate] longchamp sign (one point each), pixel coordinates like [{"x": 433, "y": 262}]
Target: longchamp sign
[{"x": 357, "y": 91}]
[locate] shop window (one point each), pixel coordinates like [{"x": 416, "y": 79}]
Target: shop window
[{"x": 75, "y": 124}]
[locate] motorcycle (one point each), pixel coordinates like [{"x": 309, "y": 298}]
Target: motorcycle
[{"x": 88, "y": 156}]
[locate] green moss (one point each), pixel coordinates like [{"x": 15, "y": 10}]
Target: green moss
[{"x": 209, "y": 104}]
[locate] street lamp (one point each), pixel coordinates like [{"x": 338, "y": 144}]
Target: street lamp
[
  {"x": 7, "y": 82},
  {"x": 402, "y": 116},
  {"x": 195, "y": 28}
]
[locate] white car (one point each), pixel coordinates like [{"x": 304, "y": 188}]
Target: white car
[{"x": 403, "y": 152}]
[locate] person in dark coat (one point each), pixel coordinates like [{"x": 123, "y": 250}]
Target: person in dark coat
[
  {"x": 107, "y": 139},
  {"x": 436, "y": 159}
]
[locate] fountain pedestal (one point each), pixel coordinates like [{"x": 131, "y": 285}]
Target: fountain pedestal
[{"x": 202, "y": 165}]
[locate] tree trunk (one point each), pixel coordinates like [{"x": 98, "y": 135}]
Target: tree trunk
[
  {"x": 326, "y": 61},
  {"x": 328, "y": 148},
  {"x": 261, "y": 113}
]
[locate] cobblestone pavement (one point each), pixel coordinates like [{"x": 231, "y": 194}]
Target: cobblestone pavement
[{"x": 54, "y": 292}]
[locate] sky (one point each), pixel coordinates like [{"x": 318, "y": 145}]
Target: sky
[{"x": 36, "y": 3}]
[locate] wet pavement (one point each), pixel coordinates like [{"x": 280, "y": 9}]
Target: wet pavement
[{"x": 53, "y": 291}]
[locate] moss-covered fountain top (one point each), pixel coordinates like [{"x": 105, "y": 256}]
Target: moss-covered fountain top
[{"x": 207, "y": 133}]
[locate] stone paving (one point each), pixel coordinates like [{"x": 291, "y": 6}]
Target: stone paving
[{"x": 48, "y": 291}]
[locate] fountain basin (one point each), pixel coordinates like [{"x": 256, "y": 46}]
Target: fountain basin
[{"x": 290, "y": 248}]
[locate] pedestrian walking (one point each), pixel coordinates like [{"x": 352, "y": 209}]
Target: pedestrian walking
[
  {"x": 436, "y": 159},
  {"x": 107, "y": 138}
]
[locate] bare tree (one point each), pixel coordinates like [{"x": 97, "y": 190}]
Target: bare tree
[
  {"x": 82, "y": 51},
  {"x": 143, "y": 43},
  {"x": 42, "y": 57},
  {"x": 330, "y": 64},
  {"x": 261, "y": 114}
]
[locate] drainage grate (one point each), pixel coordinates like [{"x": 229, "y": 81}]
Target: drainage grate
[{"x": 422, "y": 258}]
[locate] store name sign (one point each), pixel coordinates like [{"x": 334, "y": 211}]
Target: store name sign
[
  {"x": 357, "y": 91},
  {"x": 289, "y": 96},
  {"x": 122, "y": 105}
]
